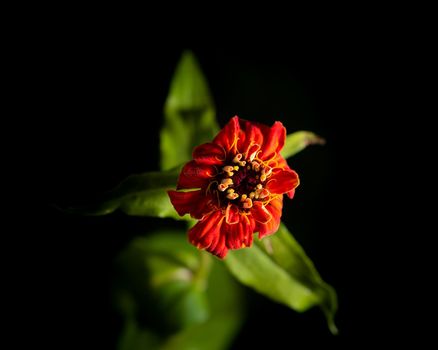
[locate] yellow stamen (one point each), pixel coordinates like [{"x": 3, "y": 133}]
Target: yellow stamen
[
  {"x": 232, "y": 196},
  {"x": 259, "y": 186},
  {"x": 264, "y": 193},
  {"x": 230, "y": 190},
  {"x": 252, "y": 195},
  {"x": 248, "y": 203},
  {"x": 237, "y": 158},
  {"x": 263, "y": 178},
  {"x": 243, "y": 198},
  {"x": 222, "y": 187},
  {"x": 267, "y": 171},
  {"x": 227, "y": 168},
  {"x": 236, "y": 167},
  {"x": 230, "y": 173},
  {"x": 227, "y": 181}
]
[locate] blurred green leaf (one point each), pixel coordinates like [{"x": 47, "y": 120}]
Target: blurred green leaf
[
  {"x": 278, "y": 268},
  {"x": 298, "y": 141},
  {"x": 215, "y": 334},
  {"x": 134, "y": 338},
  {"x": 226, "y": 310},
  {"x": 138, "y": 195},
  {"x": 174, "y": 296},
  {"x": 160, "y": 275},
  {"x": 189, "y": 114}
]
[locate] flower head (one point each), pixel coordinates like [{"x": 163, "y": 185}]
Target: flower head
[{"x": 234, "y": 186}]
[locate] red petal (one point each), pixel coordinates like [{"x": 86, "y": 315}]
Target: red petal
[
  {"x": 291, "y": 194},
  {"x": 219, "y": 248},
  {"x": 248, "y": 221},
  {"x": 232, "y": 214},
  {"x": 260, "y": 213},
  {"x": 273, "y": 141},
  {"x": 194, "y": 175},
  {"x": 194, "y": 203},
  {"x": 242, "y": 134},
  {"x": 229, "y": 135},
  {"x": 280, "y": 162},
  {"x": 274, "y": 207},
  {"x": 209, "y": 154},
  {"x": 282, "y": 181},
  {"x": 206, "y": 234},
  {"x": 253, "y": 137},
  {"x": 239, "y": 234}
]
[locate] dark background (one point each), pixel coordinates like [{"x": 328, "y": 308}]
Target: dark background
[{"x": 100, "y": 110}]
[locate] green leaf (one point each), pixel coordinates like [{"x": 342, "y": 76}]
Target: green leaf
[
  {"x": 189, "y": 114},
  {"x": 139, "y": 195},
  {"x": 215, "y": 334},
  {"x": 134, "y": 338},
  {"x": 182, "y": 292},
  {"x": 226, "y": 310},
  {"x": 298, "y": 141},
  {"x": 278, "y": 268},
  {"x": 163, "y": 277}
]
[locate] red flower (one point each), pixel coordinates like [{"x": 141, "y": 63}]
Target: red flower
[{"x": 234, "y": 186}]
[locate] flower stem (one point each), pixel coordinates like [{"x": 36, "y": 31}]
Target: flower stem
[{"x": 201, "y": 275}]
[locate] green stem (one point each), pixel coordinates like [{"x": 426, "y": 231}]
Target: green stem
[{"x": 201, "y": 276}]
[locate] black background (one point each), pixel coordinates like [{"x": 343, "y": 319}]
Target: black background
[{"x": 99, "y": 106}]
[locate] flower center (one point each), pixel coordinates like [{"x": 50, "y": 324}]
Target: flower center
[{"x": 242, "y": 181}]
